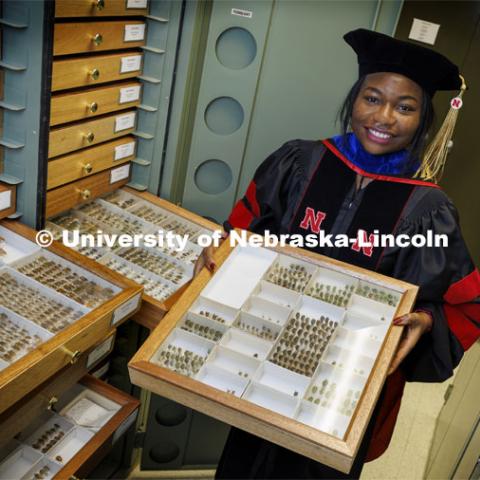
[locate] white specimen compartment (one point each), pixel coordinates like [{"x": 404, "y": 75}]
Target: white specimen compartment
[
  {"x": 222, "y": 380},
  {"x": 378, "y": 293},
  {"x": 259, "y": 307},
  {"x": 49, "y": 426},
  {"x": 247, "y": 344},
  {"x": 272, "y": 399},
  {"x": 282, "y": 379},
  {"x": 313, "y": 308},
  {"x": 331, "y": 422},
  {"x": 44, "y": 469},
  {"x": 15, "y": 246},
  {"x": 306, "y": 413},
  {"x": 376, "y": 311},
  {"x": 275, "y": 294},
  {"x": 348, "y": 360},
  {"x": 67, "y": 265},
  {"x": 214, "y": 310},
  {"x": 202, "y": 326},
  {"x": 187, "y": 341},
  {"x": 149, "y": 212},
  {"x": 32, "y": 328},
  {"x": 238, "y": 276},
  {"x": 183, "y": 227},
  {"x": 65, "y": 450},
  {"x": 233, "y": 362},
  {"x": 291, "y": 273},
  {"x": 90, "y": 410},
  {"x": 122, "y": 199},
  {"x": 155, "y": 286},
  {"x": 18, "y": 463},
  {"x": 363, "y": 342},
  {"x": 327, "y": 283},
  {"x": 257, "y": 326}
]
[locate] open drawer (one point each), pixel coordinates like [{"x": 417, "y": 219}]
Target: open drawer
[
  {"x": 289, "y": 345},
  {"x": 129, "y": 211},
  {"x": 54, "y": 305},
  {"x": 73, "y": 438}
]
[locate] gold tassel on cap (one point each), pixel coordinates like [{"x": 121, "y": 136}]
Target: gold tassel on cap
[{"x": 436, "y": 153}]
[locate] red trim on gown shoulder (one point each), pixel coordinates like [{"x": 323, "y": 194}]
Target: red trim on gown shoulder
[
  {"x": 465, "y": 290},
  {"x": 387, "y": 178}
]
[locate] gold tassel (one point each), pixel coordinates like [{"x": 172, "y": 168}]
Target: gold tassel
[{"x": 431, "y": 168}]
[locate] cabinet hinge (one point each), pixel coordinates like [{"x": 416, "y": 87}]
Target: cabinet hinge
[
  {"x": 139, "y": 439},
  {"x": 447, "y": 393}
]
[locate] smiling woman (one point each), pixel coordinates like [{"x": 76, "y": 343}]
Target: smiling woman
[{"x": 364, "y": 181}]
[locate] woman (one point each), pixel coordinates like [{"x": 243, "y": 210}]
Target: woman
[{"x": 364, "y": 181}]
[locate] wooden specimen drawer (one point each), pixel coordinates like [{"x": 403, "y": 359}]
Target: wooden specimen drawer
[
  {"x": 128, "y": 210},
  {"x": 62, "y": 320},
  {"x": 46, "y": 396},
  {"x": 289, "y": 345},
  {"x": 90, "y": 161},
  {"x": 97, "y": 36},
  {"x": 95, "y": 69},
  {"x": 8, "y": 201},
  {"x": 87, "y": 133},
  {"x": 68, "y": 107},
  {"x": 97, "y": 8},
  {"x": 70, "y": 196},
  {"x": 72, "y": 440}
]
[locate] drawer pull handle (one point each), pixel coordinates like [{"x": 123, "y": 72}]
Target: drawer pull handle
[
  {"x": 85, "y": 194},
  {"x": 88, "y": 168},
  {"x": 51, "y": 403},
  {"x": 93, "y": 107},
  {"x": 95, "y": 74},
  {"x": 90, "y": 137},
  {"x": 97, "y": 39},
  {"x": 99, "y": 4},
  {"x": 74, "y": 356}
]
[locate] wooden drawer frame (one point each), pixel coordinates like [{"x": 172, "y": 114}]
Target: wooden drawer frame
[
  {"x": 69, "y": 196},
  {"x": 44, "y": 397},
  {"x": 85, "y": 163},
  {"x": 27, "y": 373},
  {"x": 289, "y": 433},
  {"x": 74, "y": 106},
  {"x": 76, "y": 72},
  {"x": 87, "y": 8},
  {"x": 70, "y": 38},
  {"x": 13, "y": 199},
  {"x": 66, "y": 139}
]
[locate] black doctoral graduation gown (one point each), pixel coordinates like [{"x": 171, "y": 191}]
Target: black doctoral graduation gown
[{"x": 306, "y": 186}]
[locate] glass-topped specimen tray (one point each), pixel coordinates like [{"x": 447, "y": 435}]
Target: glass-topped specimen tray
[{"x": 289, "y": 345}]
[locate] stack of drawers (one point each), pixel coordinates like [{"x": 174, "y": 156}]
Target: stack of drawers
[{"x": 95, "y": 93}]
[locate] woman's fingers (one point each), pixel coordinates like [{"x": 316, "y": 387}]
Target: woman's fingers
[{"x": 205, "y": 260}]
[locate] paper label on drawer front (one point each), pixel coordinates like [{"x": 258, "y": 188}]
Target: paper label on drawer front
[
  {"x": 99, "y": 351},
  {"x": 124, "y": 151},
  {"x": 5, "y": 200},
  {"x": 129, "y": 94},
  {"x": 120, "y": 173},
  {"x": 127, "y": 423},
  {"x": 130, "y": 64},
  {"x": 123, "y": 122},
  {"x": 126, "y": 309},
  {"x": 134, "y": 33},
  {"x": 137, "y": 3}
]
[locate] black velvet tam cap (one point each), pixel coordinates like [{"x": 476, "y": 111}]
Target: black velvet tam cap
[{"x": 380, "y": 53}]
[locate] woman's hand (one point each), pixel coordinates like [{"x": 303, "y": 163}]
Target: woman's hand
[
  {"x": 205, "y": 260},
  {"x": 416, "y": 323}
]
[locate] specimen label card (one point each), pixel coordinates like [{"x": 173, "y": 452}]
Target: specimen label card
[
  {"x": 119, "y": 173},
  {"x": 123, "y": 122},
  {"x": 126, "y": 309},
  {"x": 134, "y": 33},
  {"x": 137, "y": 3},
  {"x": 5, "y": 200},
  {"x": 124, "y": 150},
  {"x": 130, "y": 64},
  {"x": 129, "y": 94}
]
